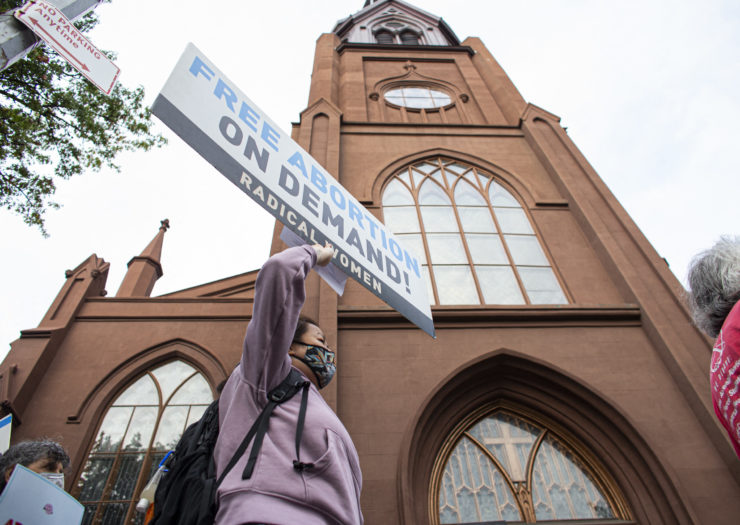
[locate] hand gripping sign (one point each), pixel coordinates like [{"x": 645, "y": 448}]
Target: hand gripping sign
[{"x": 218, "y": 121}]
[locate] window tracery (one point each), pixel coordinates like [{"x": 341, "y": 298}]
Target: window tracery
[
  {"x": 395, "y": 31},
  {"x": 472, "y": 235},
  {"x": 142, "y": 424},
  {"x": 505, "y": 466}
]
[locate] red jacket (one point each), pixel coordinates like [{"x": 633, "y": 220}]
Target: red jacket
[{"x": 725, "y": 376}]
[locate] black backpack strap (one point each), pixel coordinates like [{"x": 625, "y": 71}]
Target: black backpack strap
[
  {"x": 297, "y": 463},
  {"x": 287, "y": 388},
  {"x": 240, "y": 450},
  {"x": 262, "y": 424}
]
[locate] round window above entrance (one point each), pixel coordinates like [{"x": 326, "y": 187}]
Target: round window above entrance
[{"x": 417, "y": 97}]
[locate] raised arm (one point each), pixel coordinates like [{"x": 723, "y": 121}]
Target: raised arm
[{"x": 278, "y": 298}]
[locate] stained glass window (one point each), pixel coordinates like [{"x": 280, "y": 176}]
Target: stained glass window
[
  {"x": 474, "y": 238},
  {"x": 144, "y": 422},
  {"x": 506, "y": 467}
]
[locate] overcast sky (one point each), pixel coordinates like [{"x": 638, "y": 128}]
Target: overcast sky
[{"x": 647, "y": 89}]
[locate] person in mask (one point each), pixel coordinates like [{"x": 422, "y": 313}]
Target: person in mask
[
  {"x": 46, "y": 458},
  {"x": 310, "y": 354},
  {"x": 310, "y": 477}
]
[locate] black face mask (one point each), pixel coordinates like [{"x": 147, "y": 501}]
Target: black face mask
[{"x": 321, "y": 361}]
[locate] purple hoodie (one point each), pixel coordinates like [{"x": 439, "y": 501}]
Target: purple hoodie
[{"x": 328, "y": 493}]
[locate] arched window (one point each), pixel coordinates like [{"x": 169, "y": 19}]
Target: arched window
[
  {"x": 409, "y": 38},
  {"x": 505, "y": 466},
  {"x": 474, "y": 238},
  {"x": 384, "y": 37},
  {"x": 144, "y": 422},
  {"x": 395, "y": 31}
]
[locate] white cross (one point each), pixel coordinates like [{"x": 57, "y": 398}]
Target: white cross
[{"x": 516, "y": 469}]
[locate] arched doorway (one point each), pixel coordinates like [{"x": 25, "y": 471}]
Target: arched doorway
[{"x": 604, "y": 445}]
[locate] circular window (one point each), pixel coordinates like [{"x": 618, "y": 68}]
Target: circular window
[{"x": 417, "y": 97}]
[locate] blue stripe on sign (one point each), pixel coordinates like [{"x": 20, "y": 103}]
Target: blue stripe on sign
[{"x": 6, "y": 420}]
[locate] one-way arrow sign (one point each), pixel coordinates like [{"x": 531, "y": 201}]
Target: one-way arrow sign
[{"x": 54, "y": 28}]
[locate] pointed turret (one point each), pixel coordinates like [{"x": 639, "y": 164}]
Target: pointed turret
[{"x": 145, "y": 269}]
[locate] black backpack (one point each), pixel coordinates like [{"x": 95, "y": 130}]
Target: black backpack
[{"x": 186, "y": 494}]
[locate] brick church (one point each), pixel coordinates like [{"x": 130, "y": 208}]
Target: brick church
[{"x": 566, "y": 383}]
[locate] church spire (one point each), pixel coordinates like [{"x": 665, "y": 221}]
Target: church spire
[
  {"x": 145, "y": 269},
  {"x": 394, "y": 22}
]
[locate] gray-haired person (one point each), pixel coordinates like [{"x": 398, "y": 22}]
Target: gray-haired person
[
  {"x": 714, "y": 299},
  {"x": 45, "y": 457}
]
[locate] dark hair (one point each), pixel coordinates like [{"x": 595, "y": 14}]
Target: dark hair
[
  {"x": 27, "y": 452},
  {"x": 302, "y": 327}
]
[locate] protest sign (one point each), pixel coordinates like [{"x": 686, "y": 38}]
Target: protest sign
[
  {"x": 32, "y": 499},
  {"x": 6, "y": 424},
  {"x": 222, "y": 124}
]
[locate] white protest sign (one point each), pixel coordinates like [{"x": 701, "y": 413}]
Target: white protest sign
[
  {"x": 30, "y": 499},
  {"x": 50, "y": 24},
  {"x": 221, "y": 123},
  {"x": 6, "y": 424}
]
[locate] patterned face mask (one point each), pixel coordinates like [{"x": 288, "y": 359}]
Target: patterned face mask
[{"x": 322, "y": 363}]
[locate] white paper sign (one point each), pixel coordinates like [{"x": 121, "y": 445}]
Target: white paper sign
[
  {"x": 30, "y": 499},
  {"x": 6, "y": 424},
  {"x": 50, "y": 24},
  {"x": 221, "y": 123}
]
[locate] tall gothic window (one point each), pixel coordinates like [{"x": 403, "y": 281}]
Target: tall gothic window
[
  {"x": 144, "y": 422},
  {"x": 474, "y": 239},
  {"x": 507, "y": 467}
]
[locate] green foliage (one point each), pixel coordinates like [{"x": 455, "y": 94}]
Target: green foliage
[{"x": 55, "y": 124}]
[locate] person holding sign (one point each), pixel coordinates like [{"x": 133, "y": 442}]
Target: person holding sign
[
  {"x": 46, "y": 458},
  {"x": 307, "y": 470},
  {"x": 714, "y": 299}
]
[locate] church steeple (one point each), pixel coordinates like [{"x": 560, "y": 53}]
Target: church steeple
[
  {"x": 145, "y": 269},
  {"x": 394, "y": 22}
]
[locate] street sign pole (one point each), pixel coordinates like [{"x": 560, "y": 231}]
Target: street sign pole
[{"x": 16, "y": 40}]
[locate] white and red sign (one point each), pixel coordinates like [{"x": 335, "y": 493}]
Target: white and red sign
[{"x": 50, "y": 24}]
